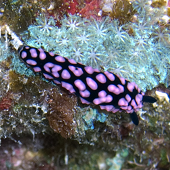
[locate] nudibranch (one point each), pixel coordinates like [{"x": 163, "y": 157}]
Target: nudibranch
[{"x": 111, "y": 92}]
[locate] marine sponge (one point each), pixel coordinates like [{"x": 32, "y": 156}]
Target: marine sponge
[{"x": 61, "y": 112}]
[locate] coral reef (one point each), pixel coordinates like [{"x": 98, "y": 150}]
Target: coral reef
[{"x": 29, "y": 105}]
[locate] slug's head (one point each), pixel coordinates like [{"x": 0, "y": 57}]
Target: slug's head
[{"x": 23, "y": 52}]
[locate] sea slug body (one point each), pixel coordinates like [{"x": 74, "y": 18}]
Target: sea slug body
[{"x": 109, "y": 91}]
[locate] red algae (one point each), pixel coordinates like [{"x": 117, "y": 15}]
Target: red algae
[
  {"x": 91, "y": 10},
  {"x": 6, "y": 102},
  {"x": 71, "y": 6}
]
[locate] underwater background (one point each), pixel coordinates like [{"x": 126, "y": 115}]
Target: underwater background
[{"x": 44, "y": 127}]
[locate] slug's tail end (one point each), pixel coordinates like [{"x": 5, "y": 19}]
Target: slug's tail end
[
  {"x": 134, "y": 118},
  {"x": 149, "y": 99}
]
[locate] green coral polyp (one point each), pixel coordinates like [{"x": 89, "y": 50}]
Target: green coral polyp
[{"x": 82, "y": 36}]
